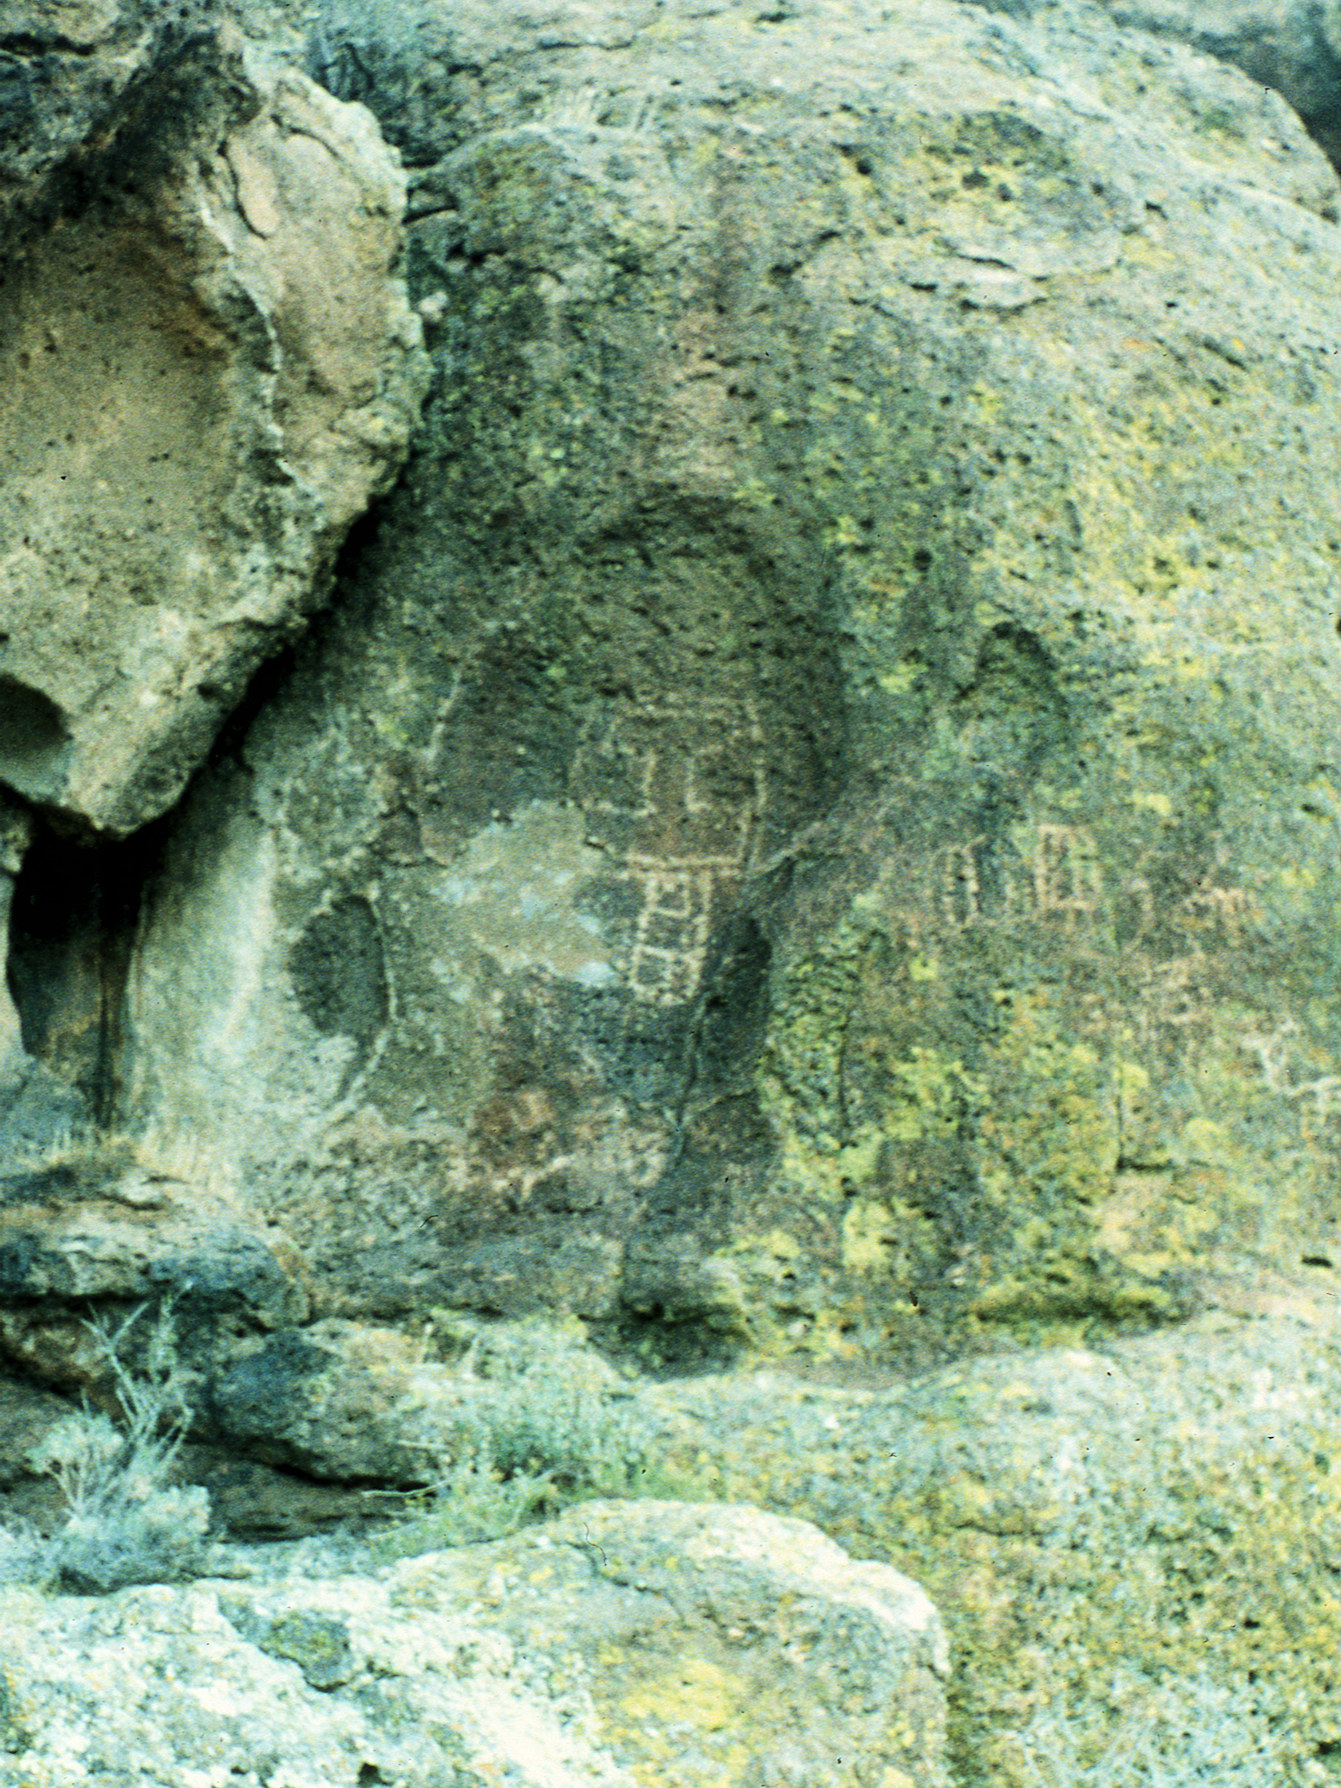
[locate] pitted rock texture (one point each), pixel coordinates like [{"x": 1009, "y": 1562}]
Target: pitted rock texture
[
  {"x": 55, "y": 88},
  {"x": 810, "y": 822},
  {"x": 335, "y": 1400},
  {"x": 208, "y": 367},
  {"x": 1291, "y": 45},
  {"x": 1123, "y": 1536},
  {"x": 727, "y": 1645},
  {"x": 138, "y": 1234}
]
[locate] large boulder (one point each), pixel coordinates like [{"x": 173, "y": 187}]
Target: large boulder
[
  {"x": 1291, "y": 45},
  {"x": 811, "y": 822},
  {"x": 623, "y": 1643},
  {"x": 207, "y": 367},
  {"x": 1133, "y": 1541}
]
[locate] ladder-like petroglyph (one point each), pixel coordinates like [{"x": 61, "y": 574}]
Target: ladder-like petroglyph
[{"x": 675, "y": 792}]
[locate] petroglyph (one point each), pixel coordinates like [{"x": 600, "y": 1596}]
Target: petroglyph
[
  {"x": 1229, "y": 911},
  {"x": 956, "y": 884},
  {"x": 1272, "y": 1050},
  {"x": 673, "y": 926},
  {"x": 1060, "y": 879},
  {"x": 675, "y": 790},
  {"x": 1137, "y": 909},
  {"x": 1067, "y": 878},
  {"x": 687, "y": 775},
  {"x": 1172, "y": 993}
]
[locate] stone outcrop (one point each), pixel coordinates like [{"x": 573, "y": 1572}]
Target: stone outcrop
[
  {"x": 335, "y": 1400},
  {"x": 208, "y": 368},
  {"x": 73, "y": 1233},
  {"x": 1293, "y": 46},
  {"x": 1127, "y": 1538},
  {"x": 808, "y": 828},
  {"x": 809, "y": 822},
  {"x": 729, "y": 1646}
]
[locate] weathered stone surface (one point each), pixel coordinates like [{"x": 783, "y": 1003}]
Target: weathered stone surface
[
  {"x": 28, "y": 1415},
  {"x": 811, "y": 826},
  {"x": 335, "y": 1400},
  {"x": 1291, "y": 45},
  {"x": 208, "y": 367},
  {"x": 1126, "y": 1539},
  {"x": 62, "y": 24},
  {"x": 735, "y": 1646},
  {"x": 724, "y": 1645},
  {"x": 88, "y": 1229},
  {"x": 53, "y": 90},
  {"x": 1133, "y": 1542},
  {"x": 810, "y": 820},
  {"x": 363, "y": 1404}
]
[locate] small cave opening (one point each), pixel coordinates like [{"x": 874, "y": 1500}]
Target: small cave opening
[{"x": 72, "y": 925}]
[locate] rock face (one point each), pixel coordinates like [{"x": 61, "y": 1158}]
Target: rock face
[
  {"x": 809, "y": 826},
  {"x": 1122, "y": 1538},
  {"x": 131, "y": 1231},
  {"x": 208, "y": 368},
  {"x": 810, "y": 821},
  {"x": 733, "y": 1646},
  {"x": 1291, "y": 45}
]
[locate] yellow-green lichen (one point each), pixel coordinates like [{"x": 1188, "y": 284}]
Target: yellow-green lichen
[{"x": 1152, "y": 1512}]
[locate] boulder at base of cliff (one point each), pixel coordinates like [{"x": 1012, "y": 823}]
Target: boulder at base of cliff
[
  {"x": 623, "y": 1646},
  {"x": 1133, "y": 1543}
]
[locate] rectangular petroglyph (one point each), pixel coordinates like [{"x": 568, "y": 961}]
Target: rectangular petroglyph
[
  {"x": 1227, "y": 911},
  {"x": 672, "y": 929},
  {"x": 1060, "y": 880},
  {"x": 679, "y": 787},
  {"x": 1068, "y": 881},
  {"x": 957, "y": 886},
  {"x": 1170, "y": 993},
  {"x": 1272, "y": 1051}
]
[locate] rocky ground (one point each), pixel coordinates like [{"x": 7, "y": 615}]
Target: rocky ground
[
  {"x": 621, "y": 1646},
  {"x": 1131, "y": 1544}
]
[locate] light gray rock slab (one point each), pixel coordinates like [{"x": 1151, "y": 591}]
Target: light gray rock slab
[{"x": 624, "y": 1645}]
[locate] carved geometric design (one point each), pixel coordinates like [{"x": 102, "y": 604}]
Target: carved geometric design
[
  {"x": 1067, "y": 877},
  {"x": 681, "y": 787}
]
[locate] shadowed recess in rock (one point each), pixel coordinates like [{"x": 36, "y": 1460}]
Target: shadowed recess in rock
[
  {"x": 34, "y": 741},
  {"x": 339, "y": 972},
  {"x": 71, "y": 923}
]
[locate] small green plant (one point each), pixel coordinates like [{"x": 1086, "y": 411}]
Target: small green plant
[
  {"x": 125, "y": 1524},
  {"x": 471, "y": 1501},
  {"x": 538, "y": 1421}
]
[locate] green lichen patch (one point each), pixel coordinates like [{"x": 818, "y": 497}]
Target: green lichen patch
[{"x": 317, "y": 1643}]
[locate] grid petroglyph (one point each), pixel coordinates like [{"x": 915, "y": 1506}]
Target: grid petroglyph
[
  {"x": 1059, "y": 878},
  {"x": 676, "y": 791}
]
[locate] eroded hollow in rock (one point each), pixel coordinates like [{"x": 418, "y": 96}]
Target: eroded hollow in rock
[
  {"x": 34, "y": 741},
  {"x": 72, "y": 921}
]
